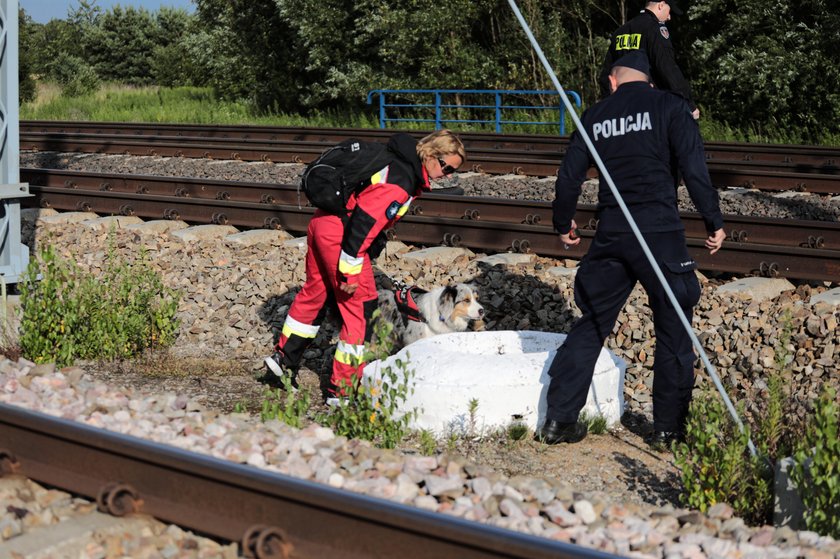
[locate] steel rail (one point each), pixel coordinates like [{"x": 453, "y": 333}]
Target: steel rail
[
  {"x": 735, "y": 257},
  {"x": 803, "y": 154},
  {"x": 768, "y": 231},
  {"x": 500, "y": 157},
  {"x": 271, "y": 515}
]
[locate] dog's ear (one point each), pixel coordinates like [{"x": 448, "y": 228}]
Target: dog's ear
[{"x": 449, "y": 294}]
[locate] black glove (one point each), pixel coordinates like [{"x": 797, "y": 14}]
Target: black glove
[{"x": 377, "y": 245}]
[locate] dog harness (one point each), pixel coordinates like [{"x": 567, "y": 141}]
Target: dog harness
[{"x": 406, "y": 304}]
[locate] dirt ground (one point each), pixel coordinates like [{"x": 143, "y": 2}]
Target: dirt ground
[{"x": 617, "y": 464}]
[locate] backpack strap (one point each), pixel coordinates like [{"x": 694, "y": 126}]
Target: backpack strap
[{"x": 407, "y": 305}]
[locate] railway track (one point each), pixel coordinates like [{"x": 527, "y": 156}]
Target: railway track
[
  {"x": 814, "y": 169},
  {"x": 806, "y": 250},
  {"x": 271, "y": 516}
]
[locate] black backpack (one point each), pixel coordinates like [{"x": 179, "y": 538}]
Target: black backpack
[{"x": 341, "y": 171}]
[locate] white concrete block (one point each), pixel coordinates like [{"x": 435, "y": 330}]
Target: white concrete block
[{"x": 506, "y": 371}]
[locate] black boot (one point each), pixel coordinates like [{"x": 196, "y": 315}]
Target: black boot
[
  {"x": 661, "y": 441},
  {"x": 555, "y": 432},
  {"x": 277, "y": 371}
]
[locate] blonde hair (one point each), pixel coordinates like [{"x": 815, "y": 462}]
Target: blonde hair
[{"x": 440, "y": 144}]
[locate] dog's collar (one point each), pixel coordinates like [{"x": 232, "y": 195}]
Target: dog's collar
[{"x": 407, "y": 304}]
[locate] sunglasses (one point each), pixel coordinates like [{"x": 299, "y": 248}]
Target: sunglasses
[{"x": 446, "y": 167}]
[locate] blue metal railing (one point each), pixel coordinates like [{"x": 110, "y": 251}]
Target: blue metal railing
[{"x": 442, "y": 109}]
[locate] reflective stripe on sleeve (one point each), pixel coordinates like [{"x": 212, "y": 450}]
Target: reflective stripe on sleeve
[
  {"x": 350, "y": 265},
  {"x": 380, "y": 177},
  {"x": 404, "y": 207}
]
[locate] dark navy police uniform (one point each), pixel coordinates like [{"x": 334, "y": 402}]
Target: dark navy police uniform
[
  {"x": 650, "y": 36},
  {"x": 644, "y": 136}
]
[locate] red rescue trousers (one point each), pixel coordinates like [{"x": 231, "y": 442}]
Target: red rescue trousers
[{"x": 323, "y": 240}]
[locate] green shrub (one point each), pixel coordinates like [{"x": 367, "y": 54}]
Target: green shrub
[
  {"x": 716, "y": 466},
  {"x": 816, "y": 470},
  {"x": 290, "y": 408},
  {"x": 69, "y": 315}
]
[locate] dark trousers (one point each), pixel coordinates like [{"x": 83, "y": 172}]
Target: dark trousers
[{"x": 605, "y": 278}]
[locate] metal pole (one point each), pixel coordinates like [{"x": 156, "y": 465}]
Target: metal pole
[
  {"x": 14, "y": 256},
  {"x": 606, "y": 176}
]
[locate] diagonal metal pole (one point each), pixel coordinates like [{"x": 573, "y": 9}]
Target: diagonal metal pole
[{"x": 605, "y": 175}]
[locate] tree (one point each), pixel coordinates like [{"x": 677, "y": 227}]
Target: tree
[
  {"x": 26, "y": 32},
  {"x": 767, "y": 64}
]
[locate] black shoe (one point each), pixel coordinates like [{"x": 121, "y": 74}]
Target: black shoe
[
  {"x": 277, "y": 371},
  {"x": 661, "y": 441},
  {"x": 555, "y": 432}
]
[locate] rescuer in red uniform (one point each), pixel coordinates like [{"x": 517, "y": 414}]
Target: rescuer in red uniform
[{"x": 338, "y": 260}]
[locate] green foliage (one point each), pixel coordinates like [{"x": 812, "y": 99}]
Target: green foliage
[
  {"x": 68, "y": 315},
  {"x": 716, "y": 466},
  {"x": 596, "y": 424},
  {"x": 766, "y": 64},
  {"x": 371, "y": 409},
  {"x": 75, "y": 76},
  {"x": 472, "y": 421},
  {"x": 428, "y": 442},
  {"x": 26, "y": 83},
  {"x": 761, "y": 71},
  {"x": 288, "y": 405},
  {"x": 517, "y": 431},
  {"x": 816, "y": 470}
]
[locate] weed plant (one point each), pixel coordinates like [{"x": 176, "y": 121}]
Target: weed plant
[
  {"x": 371, "y": 408},
  {"x": 816, "y": 471},
  {"x": 69, "y": 315},
  {"x": 428, "y": 442},
  {"x": 517, "y": 431},
  {"x": 287, "y": 404},
  {"x": 595, "y": 424},
  {"x": 716, "y": 465}
]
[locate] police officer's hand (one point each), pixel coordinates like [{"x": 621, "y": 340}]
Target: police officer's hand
[
  {"x": 695, "y": 113},
  {"x": 715, "y": 241},
  {"x": 348, "y": 288},
  {"x": 571, "y": 238}
]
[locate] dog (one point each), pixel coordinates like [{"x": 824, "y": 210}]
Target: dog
[{"x": 418, "y": 314}]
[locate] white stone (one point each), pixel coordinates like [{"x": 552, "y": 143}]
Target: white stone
[
  {"x": 66, "y": 217},
  {"x": 157, "y": 226},
  {"x": 297, "y": 242},
  {"x": 506, "y": 371},
  {"x": 757, "y": 289},
  {"x": 507, "y": 258},
  {"x": 832, "y": 297},
  {"x": 562, "y": 271},
  {"x": 255, "y": 236},
  {"x": 203, "y": 233},
  {"x": 437, "y": 255},
  {"x": 115, "y": 221}
]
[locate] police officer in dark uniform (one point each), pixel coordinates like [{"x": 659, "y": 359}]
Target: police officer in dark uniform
[
  {"x": 644, "y": 136},
  {"x": 647, "y": 32}
]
